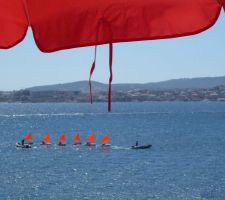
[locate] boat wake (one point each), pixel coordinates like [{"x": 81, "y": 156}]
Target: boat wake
[
  {"x": 97, "y": 114},
  {"x": 42, "y": 115},
  {"x": 120, "y": 148}
]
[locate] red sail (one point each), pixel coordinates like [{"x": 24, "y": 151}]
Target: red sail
[
  {"x": 77, "y": 138},
  {"x": 105, "y": 139},
  {"x": 29, "y": 137},
  {"x": 91, "y": 138},
  {"x": 47, "y": 138},
  {"x": 62, "y": 138}
]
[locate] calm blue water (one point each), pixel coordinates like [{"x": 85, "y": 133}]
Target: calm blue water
[{"x": 187, "y": 160}]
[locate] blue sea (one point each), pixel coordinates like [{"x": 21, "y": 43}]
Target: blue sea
[{"x": 186, "y": 161}]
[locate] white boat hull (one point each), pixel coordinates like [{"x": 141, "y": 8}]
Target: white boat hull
[{"x": 24, "y": 146}]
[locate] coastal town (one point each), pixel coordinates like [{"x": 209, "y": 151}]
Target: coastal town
[{"x": 133, "y": 95}]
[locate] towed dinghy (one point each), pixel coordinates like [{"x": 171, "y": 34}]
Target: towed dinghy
[
  {"x": 105, "y": 141},
  {"x": 91, "y": 140},
  {"x": 62, "y": 139},
  {"x": 76, "y": 140},
  {"x": 46, "y": 140}
]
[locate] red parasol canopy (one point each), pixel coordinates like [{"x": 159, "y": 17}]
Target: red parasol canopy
[
  {"x": 67, "y": 24},
  {"x": 63, "y": 24}
]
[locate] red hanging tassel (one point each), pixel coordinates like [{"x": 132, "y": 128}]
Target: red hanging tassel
[
  {"x": 111, "y": 76},
  {"x": 91, "y": 73}
]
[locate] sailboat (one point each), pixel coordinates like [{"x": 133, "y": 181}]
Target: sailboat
[
  {"x": 29, "y": 138},
  {"x": 91, "y": 140},
  {"x": 105, "y": 141},
  {"x": 62, "y": 139},
  {"x": 26, "y": 142},
  {"x": 76, "y": 139},
  {"x": 46, "y": 140}
]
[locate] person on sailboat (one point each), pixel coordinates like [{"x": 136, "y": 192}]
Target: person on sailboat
[
  {"x": 62, "y": 139},
  {"x": 136, "y": 143},
  {"x": 43, "y": 143},
  {"x": 91, "y": 140},
  {"x": 105, "y": 141},
  {"x": 61, "y": 144},
  {"x": 46, "y": 140},
  {"x": 22, "y": 141}
]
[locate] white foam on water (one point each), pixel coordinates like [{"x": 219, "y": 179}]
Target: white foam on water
[{"x": 120, "y": 148}]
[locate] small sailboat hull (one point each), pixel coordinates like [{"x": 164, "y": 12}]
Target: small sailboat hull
[
  {"x": 62, "y": 145},
  {"x": 30, "y": 143},
  {"x": 77, "y": 143},
  {"x": 147, "y": 146},
  {"x": 90, "y": 144},
  {"x": 46, "y": 143},
  {"x": 106, "y": 145},
  {"x": 24, "y": 146}
]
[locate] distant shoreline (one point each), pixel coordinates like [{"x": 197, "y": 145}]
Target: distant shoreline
[{"x": 216, "y": 94}]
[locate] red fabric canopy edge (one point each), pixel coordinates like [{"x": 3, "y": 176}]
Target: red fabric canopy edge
[
  {"x": 222, "y": 2},
  {"x": 17, "y": 41},
  {"x": 13, "y": 23},
  {"x": 132, "y": 40}
]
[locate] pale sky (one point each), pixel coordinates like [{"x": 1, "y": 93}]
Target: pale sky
[{"x": 201, "y": 55}]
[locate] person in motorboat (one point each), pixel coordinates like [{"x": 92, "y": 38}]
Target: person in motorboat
[
  {"x": 137, "y": 146},
  {"x": 136, "y": 143}
]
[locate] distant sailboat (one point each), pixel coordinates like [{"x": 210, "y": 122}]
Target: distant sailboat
[
  {"x": 91, "y": 140},
  {"x": 62, "y": 139},
  {"x": 105, "y": 141},
  {"x": 76, "y": 139},
  {"x": 29, "y": 138},
  {"x": 46, "y": 140},
  {"x": 26, "y": 142}
]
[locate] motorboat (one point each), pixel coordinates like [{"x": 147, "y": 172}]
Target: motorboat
[{"x": 147, "y": 146}]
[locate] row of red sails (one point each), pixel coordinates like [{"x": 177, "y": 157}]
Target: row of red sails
[{"x": 90, "y": 141}]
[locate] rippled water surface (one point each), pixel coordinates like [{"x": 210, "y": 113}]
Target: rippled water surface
[{"x": 187, "y": 159}]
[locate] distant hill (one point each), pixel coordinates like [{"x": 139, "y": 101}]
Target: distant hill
[
  {"x": 82, "y": 86},
  {"x": 185, "y": 83}
]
